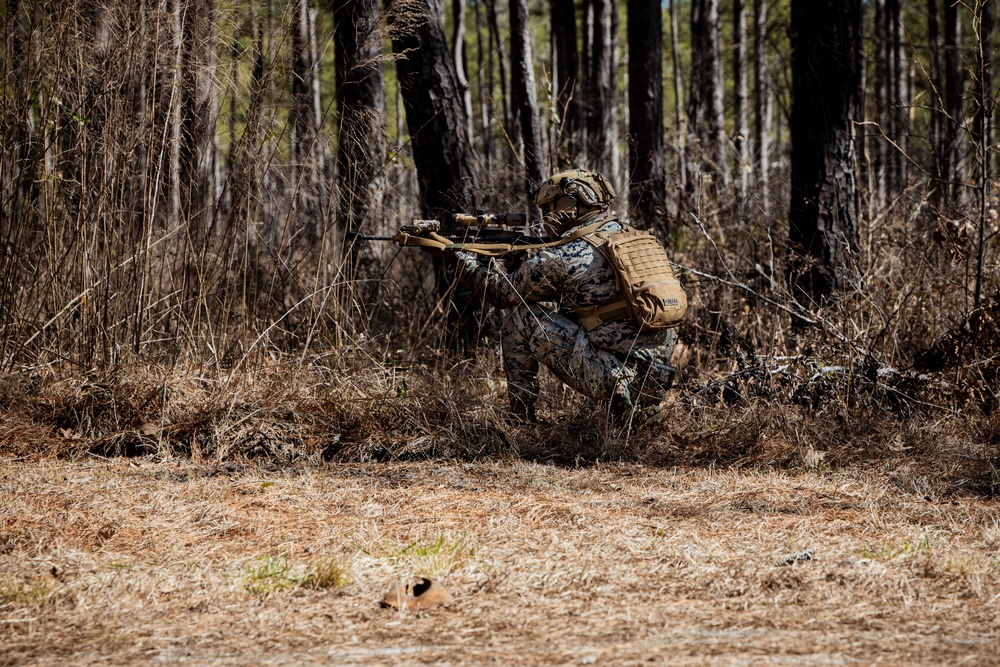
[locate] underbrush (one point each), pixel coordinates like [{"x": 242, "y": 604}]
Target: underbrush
[
  {"x": 437, "y": 406},
  {"x": 245, "y": 325}
]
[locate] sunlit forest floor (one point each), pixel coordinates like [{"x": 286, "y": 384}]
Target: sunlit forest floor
[{"x": 165, "y": 560}]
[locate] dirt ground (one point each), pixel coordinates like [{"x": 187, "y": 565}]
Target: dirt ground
[{"x": 135, "y": 561}]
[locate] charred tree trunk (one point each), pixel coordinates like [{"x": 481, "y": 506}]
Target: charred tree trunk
[
  {"x": 361, "y": 104},
  {"x": 522, "y": 79},
  {"x": 435, "y": 116},
  {"x": 565, "y": 82},
  {"x": 823, "y": 228},
  {"x": 647, "y": 197}
]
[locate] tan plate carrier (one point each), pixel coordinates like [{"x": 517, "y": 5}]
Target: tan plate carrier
[{"x": 648, "y": 292}]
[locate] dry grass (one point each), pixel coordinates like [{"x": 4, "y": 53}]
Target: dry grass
[{"x": 132, "y": 561}]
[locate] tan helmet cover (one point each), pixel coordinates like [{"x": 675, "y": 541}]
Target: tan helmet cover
[{"x": 587, "y": 188}]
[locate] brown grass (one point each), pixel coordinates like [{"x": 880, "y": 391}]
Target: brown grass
[{"x": 131, "y": 561}]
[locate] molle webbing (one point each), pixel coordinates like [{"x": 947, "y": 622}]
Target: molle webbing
[{"x": 648, "y": 292}]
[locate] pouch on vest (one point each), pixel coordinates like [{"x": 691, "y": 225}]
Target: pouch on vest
[{"x": 654, "y": 296}]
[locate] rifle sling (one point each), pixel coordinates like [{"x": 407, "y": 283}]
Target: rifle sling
[{"x": 438, "y": 242}]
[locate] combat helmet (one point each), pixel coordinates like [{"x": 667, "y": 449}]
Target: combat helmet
[{"x": 572, "y": 197}]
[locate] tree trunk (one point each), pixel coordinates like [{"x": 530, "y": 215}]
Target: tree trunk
[
  {"x": 937, "y": 92},
  {"x": 742, "y": 133},
  {"x": 522, "y": 79},
  {"x": 305, "y": 119},
  {"x": 763, "y": 104},
  {"x": 494, "y": 22},
  {"x": 705, "y": 102},
  {"x": 954, "y": 139},
  {"x": 172, "y": 115},
  {"x": 823, "y": 226},
  {"x": 484, "y": 82},
  {"x": 198, "y": 113},
  {"x": 647, "y": 197},
  {"x": 461, "y": 66},
  {"x": 883, "y": 118},
  {"x": 602, "y": 85},
  {"x": 983, "y": 129},
  {"x": 565, "y": 82},
  {"x": 361, "y": 154},
  {"x": 435, "y": 114},
  {"x": 436, "y": 120},
  {"x": 896, "y": 103},
  {"x": 680, "y": 119}
]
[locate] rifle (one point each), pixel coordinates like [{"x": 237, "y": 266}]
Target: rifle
[{"x": 489, "y": 234}]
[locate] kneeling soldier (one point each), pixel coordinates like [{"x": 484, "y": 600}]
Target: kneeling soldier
[{"x": 606, "y": 339}]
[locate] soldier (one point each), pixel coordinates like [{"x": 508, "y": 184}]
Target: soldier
[{"x": 589, "y": 340}]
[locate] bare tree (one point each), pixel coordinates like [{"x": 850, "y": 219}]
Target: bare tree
[
  {"x": 198, "y": 108},
  {"x": 522, "y": 80},
  {"x": 484, "y": 83},
  {"x": 740, "y": 97},
  {"x": 435, "y": 116},
  {"x": 565, "y": 82},
  {"x": 361, "y": 152},
  {"x": 645, "y": 71},
  {"x": 895, "y": 102},
  {"x": 680, "y": 119},
  {"x": 953, "y": 169},
  {"x": 937, "y": 92},
  {"x": 601, "y": 88},
  {"x": 495, "y": 48},
  {"x": 823, "y": 216},
  {"x": 461, "y": 66},
  {"x": 763, "y": 104},
  {"x": 983, "y": 132},
  {"x": 705, "y": 100},
  {"x": 305, "y": 118}
]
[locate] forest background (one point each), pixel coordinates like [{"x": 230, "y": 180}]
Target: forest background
[
  {"x": 227, "y": 428},
  {"x": 179, "y": 181}
]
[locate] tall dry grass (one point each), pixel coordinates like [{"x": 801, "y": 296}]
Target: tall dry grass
[{"x": 174, "y": 282}]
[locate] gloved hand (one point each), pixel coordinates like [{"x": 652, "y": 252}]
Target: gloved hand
[{"x": 470, "y": 262}]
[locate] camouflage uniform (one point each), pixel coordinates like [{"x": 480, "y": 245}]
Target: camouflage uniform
[{"x": 607, "y": 362}]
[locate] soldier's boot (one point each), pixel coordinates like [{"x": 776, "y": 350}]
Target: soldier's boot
[
  {"x": 651, "y": 383},
  {"x": 522, "y": 406},
  {"x": 622, "y": 407}
]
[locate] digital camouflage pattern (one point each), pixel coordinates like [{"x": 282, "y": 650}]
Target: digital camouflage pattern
[{"x": 609, "y": 361}]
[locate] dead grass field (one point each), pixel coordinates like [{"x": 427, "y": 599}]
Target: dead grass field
[{"x": 135, "y": 561}]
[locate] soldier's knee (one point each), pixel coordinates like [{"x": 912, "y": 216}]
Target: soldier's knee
[{"x": 523, "y": 319}]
